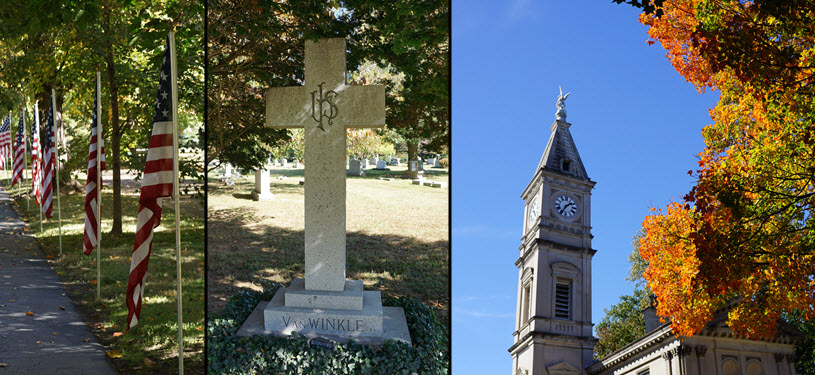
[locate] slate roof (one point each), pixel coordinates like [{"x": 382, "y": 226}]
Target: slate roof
[{"x": 559, "y": 148}]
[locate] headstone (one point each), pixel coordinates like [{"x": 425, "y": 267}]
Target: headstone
[
  {"x": 395, "y": 161},
  {"x": 420, "y": 165},
  {"x": 365, "y": 163},
  {"x": 438, "y": 163},
  {"x": 355, "y": 168},
  {"x": 262, "y": 181},
  {"x": 381, "y": 164},
  {"x": 375, "y": 160},
  {"x": 295, "y": 163},
  {"x": 227, "y": 170},
  {"x": 431, "y": 161},
  {"x": 413, "y": 170},
  {"x": 325, "y": 304}
]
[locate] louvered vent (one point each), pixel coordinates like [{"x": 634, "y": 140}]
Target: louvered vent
[{"x": 562, "y": 300}]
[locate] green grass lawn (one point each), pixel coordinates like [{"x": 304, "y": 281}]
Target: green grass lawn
[
  {"x": 152, "y": 346},
  {"x": 397, "y": 236}
]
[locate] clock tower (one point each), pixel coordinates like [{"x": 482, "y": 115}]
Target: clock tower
[{"x": 553, "y": 328}]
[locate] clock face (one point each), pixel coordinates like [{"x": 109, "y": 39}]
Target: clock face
[
  {"x": 565, "y": 205},
  {"x": 534, "y": 211}
]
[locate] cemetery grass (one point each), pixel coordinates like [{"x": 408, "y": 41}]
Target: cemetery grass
[
  {"x": 397, "y": 237},
  {"x": 152, "y": 346}
]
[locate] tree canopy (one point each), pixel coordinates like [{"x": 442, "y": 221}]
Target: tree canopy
[
  {"x": 48, "y": 45},
  {"x": 744, "y": 234},
  {"x": 258, "y": 44}
]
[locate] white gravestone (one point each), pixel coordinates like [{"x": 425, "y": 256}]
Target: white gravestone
[
  {"x": 262, "y": 181},
  {"x": 365, "y": 163},
  {"x": 325, "y": 304},
  {"x": 438, "y": 163},
  {"x": 228, "y": 170},
  {"x": 381, "y": 165}
]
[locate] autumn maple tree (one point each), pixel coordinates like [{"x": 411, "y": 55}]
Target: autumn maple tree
[{"x": 743, "y": 237}]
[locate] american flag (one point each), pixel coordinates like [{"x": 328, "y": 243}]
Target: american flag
[
  {"x": 49, "y": 163},
  {"x": 156, "y": 184},
  {"x": 19, "y": 152},
  {"x": 91, "y": 192},
  {"x": 5, "y": 141},
  {"x": 36, "y": 160}
]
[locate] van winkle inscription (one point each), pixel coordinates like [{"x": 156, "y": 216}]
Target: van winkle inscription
[{"x": 325, "y": 324}]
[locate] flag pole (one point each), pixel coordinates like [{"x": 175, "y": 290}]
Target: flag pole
[
  {"x": 174, "y": 95},
  {"x": 55, "y": 139},
  {"x": 37, "y": 124},
  {"x": 6, "y": 157},
  {"x": 22, "y": 173},
  {"x": 25, "y": 156},
  {"x": 98, "y": 186}
]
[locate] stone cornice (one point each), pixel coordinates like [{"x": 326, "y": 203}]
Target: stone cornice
[
  {"x": 648, "y": 341},
  {"x": 552, "y": 245},
  {"x": 543, "y": 335}
]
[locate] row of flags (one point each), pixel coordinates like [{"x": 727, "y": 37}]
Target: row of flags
[
  {"x": 42, "y": 171},
  {"x": 159, "y": 180}
]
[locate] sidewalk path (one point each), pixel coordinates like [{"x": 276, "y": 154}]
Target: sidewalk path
[{"x": 51, "y": 340}]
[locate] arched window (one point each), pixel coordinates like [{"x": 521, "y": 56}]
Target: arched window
[
  {"x": 564, "y": 276},
  {"x": 730, "y": 367},
  {"x": 754, "y": 368}
]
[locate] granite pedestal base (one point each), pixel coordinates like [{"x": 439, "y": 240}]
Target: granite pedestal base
[
  {"x": 257, "y": 196},
  {"x": 370, "y": 324}
]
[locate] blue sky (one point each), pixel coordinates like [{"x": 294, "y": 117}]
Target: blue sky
[{"x": 636, "y": 123}]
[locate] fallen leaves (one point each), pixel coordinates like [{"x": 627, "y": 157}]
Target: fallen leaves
[
  {"x": 113, "y": 353},
  {"x": 117, "y": 334},
  {"x": 28, "y": 313}
]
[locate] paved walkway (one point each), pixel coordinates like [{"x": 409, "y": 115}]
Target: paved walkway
[{"x": 51, "y": 341}]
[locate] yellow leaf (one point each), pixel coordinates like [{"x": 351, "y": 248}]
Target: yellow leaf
[{"x": 113, "y": 353}]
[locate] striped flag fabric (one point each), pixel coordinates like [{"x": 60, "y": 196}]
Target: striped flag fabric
[
  {"x": 19, "y": 152},
  {"x": 49, "y": 163},
  {"x": 91, "y": 193},
  {"x": 157, "y": 183},
  {"x": 36, "y": 158},
  {"x": 5, "y": 141}
]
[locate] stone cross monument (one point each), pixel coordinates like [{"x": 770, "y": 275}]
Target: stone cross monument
[
  {"x": 325, "y": 304},
  {"x": 325, "y": 106}
]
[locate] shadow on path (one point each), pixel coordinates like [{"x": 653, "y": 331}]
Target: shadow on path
[{"x": 40, "y": 330}]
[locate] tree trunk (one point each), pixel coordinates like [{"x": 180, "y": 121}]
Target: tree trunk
[
  {"x": 116, "y": 131},
  {"x": 413, "y": 150}
]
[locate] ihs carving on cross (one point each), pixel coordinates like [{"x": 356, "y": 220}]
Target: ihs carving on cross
[{"x": 333, "y": 111}]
